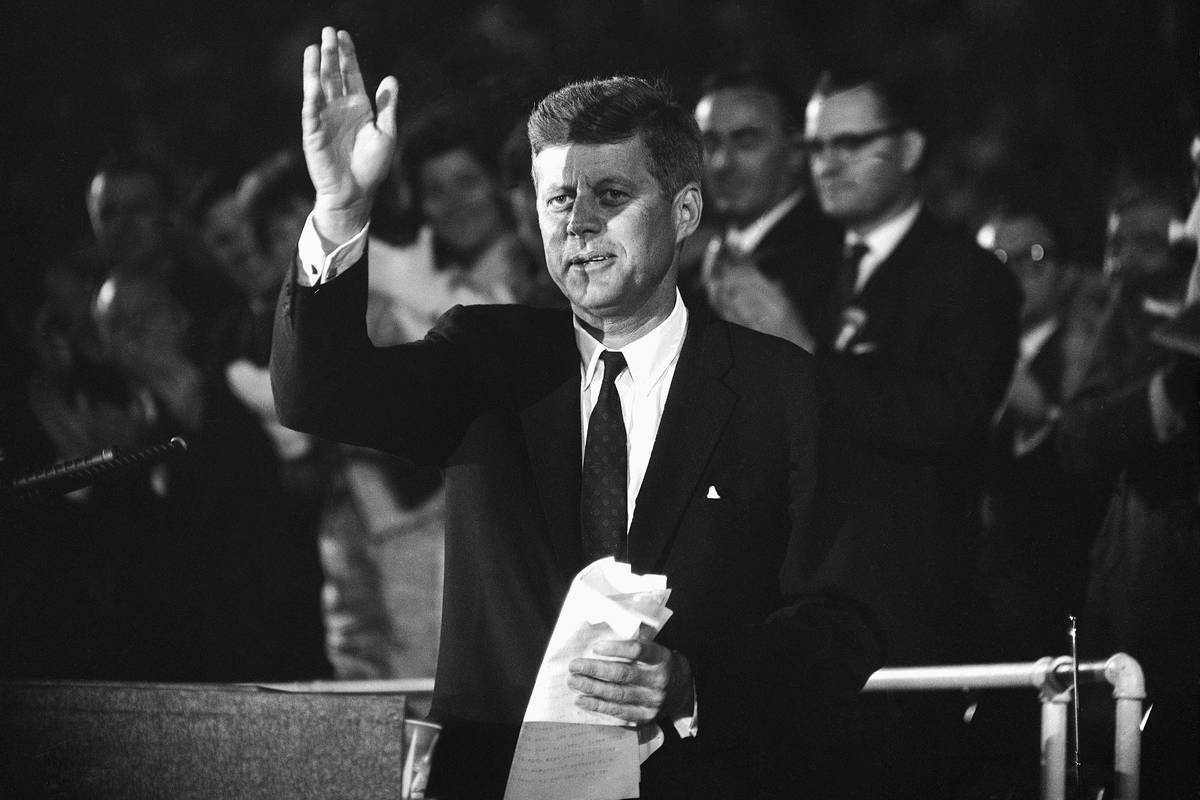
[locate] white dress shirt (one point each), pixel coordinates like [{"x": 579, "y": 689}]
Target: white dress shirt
[
  {"x": 881, "y": 242},
  {"x": 642, "y": 386}
]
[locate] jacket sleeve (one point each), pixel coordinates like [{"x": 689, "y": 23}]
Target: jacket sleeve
[{"x": 411, "y": 400}]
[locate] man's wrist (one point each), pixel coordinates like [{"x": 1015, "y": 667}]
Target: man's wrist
[{"x": 337, "y": 225}]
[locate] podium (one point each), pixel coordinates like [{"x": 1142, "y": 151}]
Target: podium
[{"x": 125, "y": 740}]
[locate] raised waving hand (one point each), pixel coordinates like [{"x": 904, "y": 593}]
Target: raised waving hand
[{"x": 348, "y": 145}]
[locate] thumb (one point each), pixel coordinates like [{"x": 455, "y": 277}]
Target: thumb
[{"x": 385, "y": 105}]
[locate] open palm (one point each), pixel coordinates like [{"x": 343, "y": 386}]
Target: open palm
[{"x": 347, "y": 145}]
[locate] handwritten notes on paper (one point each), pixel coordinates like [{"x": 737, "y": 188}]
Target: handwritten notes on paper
[{"x": 554, "y": 760}]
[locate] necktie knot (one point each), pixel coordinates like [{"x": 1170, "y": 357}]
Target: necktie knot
[
  {"x": 614, "y": 364},
  {"x": 853, "y": 252}
]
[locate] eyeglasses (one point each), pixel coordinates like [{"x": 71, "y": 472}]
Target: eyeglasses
[
  {"x": 847, "y": 145},
  {"x": 1035, "y": 255}
]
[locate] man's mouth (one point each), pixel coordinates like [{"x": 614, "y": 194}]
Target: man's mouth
[{"x": 583, "y": 259}]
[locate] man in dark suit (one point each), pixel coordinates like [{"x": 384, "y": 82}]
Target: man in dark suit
[
  {"x": 771, "y": 267},
  {"x": 696, "y": 437},
  {"x": 1037, "y": 522},
  {"x": 914, "y": 357}
]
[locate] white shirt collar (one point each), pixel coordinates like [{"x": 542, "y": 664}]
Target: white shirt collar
[
  {"x": 747, "y": 238},
  {"x": 647, "y": 358},
  {"x": 883, "y": 240}
]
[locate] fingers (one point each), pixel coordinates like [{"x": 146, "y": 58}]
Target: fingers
[
  {"x": 352, "y": 81},
  {"x": 385, "y": 105},
  {"x": 314, "y": 99},
  {"x": 633, "y": 688},
  {"x": 332, "y": 83}
]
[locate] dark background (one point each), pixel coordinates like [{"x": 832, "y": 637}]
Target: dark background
[{"x": 1046, "y": 100}]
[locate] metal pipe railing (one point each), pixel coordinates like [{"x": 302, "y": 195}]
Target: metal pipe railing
[{"x": 1052, "y": 678}]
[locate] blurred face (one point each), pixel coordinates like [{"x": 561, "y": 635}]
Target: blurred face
[
  {"x": 611, "y": 237},
  {"x": 863, "y": 166},
  {"x": 1027, "y": 247},
  {"x": 1137, "y": 250},
  {"x": 227, "y": 236},
  {"x": 141, "y": 325},
  {"x": 459, "y": 200},
  {"x": 751, "y": 160},
  {"x": 127, "y": 212}
]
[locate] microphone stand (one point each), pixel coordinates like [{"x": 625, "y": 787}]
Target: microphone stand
[{"x": 67, "y": 476}]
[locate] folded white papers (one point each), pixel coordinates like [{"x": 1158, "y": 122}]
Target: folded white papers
[
  {"x": 567, "y": 751},
  {"x": 606, "y": 601}
]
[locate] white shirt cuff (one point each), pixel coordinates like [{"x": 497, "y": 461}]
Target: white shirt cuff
[
  {"x": 322, "y": 261},
  {"x": 689, "y": 726}
]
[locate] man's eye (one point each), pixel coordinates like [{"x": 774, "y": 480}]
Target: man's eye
[
  {"x": 747, "y": 140},
  {"x": 558, "y": 202},
  {"x": 613, "y": 197}
]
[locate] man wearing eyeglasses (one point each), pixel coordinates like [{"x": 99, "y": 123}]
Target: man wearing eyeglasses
[{"x": 914, "y": 357}]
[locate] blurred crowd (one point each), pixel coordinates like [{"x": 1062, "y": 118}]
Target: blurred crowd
[{"x": 264, "y": 554}]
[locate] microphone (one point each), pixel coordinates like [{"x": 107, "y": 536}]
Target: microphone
[{"x": 67, "y": 476}]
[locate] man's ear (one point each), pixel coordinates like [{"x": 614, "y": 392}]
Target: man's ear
[
  {"x": 797, "y": 157},
  {"x": 912, "y": 149},
  {"x": 686, "y": 210}
]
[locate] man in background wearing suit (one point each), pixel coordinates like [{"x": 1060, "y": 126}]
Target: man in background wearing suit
[
  {"x": 771, "y": 268},
  {"x": 696, "y": 439},
  {"x": 913, "y": 360}
]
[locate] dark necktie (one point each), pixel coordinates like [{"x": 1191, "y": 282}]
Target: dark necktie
[
  {"x": 852, "y": 256},
  {"x": 604, "y": 499}
]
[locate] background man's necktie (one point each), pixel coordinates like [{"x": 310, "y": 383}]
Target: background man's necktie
[
  {"x": 852, "y": 256},
  {"x": 604, "y": 499}
]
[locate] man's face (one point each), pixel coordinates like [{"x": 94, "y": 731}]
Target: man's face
[
  {"x": 1027, "y": 248},
  {"x": 1137, "y": 251},
  {"x": 141, "y": 325},
  {"x": 227, "y": 235},
  {"x": 127, "y": 212},
  {"x": 609, "y": 233},
  {"x": 751, "y": 160},
  {"x": 459, "y": 199},
  {"x": 863, "y": 166}
]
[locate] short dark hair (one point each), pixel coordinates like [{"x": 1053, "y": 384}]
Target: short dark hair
[
  {"x": 466, "y": 123},
  {"x": 762, "y": 77},
  {"x": 132, "y": 163},
  {"x": 899, "y": 85},
  {"x": 612, "y": 110}
]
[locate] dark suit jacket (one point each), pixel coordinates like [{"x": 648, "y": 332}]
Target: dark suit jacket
[
  {"x": 492, "y": 396},
  {"x": 800, "y": 251},
  {"x": 906, "y": 407}
]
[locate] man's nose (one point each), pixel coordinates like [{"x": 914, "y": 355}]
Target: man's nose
[
  {"x": 585, "y": 218},
  {"x": 718, "y": 158},
  {"x": 823, "y": 163}
]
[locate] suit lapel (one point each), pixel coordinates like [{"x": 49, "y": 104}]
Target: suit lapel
[
  {"x": 551, "y": 427},
  {"x": 697, "y": 409}
]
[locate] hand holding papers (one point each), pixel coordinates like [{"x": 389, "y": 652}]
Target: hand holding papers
[{"x": 565, "y": 750}]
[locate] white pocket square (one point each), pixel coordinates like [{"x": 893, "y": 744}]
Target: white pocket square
[
  {"x": 713, "y": 494},
  {"x": 863, "y": 347}
]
